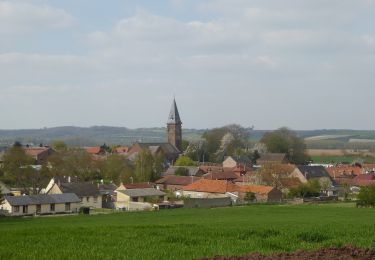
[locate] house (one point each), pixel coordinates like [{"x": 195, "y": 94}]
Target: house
[
  {"x": 108, "y": 195},
  {"x": 236, "y": 161},
  {"x": 191, "y": 170},
  {"x": 319, "y": 173},
  {"x": 41, "y": 204},
  {"x": 175, "y": 183},
  {"x": 87, "y": 192},
  {"x": 272, "y": 158},
  {"x": 287, "y": 183},
  {"x": 40, "y": 154},
  {"x": 138, "y": 199}
]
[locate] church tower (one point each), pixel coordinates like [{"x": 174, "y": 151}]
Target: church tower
[{"x": 174, "y": 127}]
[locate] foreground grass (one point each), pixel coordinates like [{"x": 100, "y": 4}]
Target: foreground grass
[{"x": 187, "y": 233}]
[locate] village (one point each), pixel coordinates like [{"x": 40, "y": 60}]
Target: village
[{"x": 181, "y": 182}]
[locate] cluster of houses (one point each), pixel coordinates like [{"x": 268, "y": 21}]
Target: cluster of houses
[{"x": 235, "y": 181}]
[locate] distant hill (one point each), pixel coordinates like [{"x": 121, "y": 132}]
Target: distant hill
[
  {"x": 97, "y": 135},
  {"x": 87, "y": 136}
]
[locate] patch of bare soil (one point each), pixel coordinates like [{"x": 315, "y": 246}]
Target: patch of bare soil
[{"x": 342, "y": 253}]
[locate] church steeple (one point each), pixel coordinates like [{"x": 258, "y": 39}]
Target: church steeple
[
  {"x": 174, "y": 116},
  {"x": 174, "y": 127}
]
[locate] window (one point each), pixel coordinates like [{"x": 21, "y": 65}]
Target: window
[
  {"x": 67, "y": 206},
  {"x": 95, "y": 199},
  {"x": 16, "y": 208},
  {"x": 81, "y": 198},
  {"x": 52, "y": 207},
  {"x": 25, "y": 209},
  {"x": 38, "y": 208},
  {"x": 87, "y": 199}
]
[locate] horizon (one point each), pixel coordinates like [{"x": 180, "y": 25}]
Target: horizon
[{"x": 301, "y": 64}]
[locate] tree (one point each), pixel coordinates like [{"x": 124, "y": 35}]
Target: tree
[
  {"x": 286, "y": 141},
  {"x": 147, "y": 167},
  {"x": 116, "y": 168},
  {"x": 366, "y": 196},
  {"x": 225, "y": 141},
  {"x": 17, "y": 170},
  {"x": 309, "y": 189},
  {"x": 250, "y": 197},
  {"x": 184, "y": 161},
  {"x": 182, "y": 171},
  {"x": 59, "y": 146},
  {"x": 74, "y": 162}
]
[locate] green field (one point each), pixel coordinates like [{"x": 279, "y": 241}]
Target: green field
[
  {"x": 340, "y": 159},
  {"x": 187, "y": 233}
]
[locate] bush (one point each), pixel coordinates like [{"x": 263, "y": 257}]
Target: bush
[
  {"x": 366, "y": 196},
  {"x": 181, "y": 171},
  {"x": 310, "y": 189}
]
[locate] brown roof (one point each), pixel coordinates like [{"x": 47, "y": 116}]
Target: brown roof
[
  {"x": 258, "y": 189},
  {"x": 220, "y": 186},
  {"x": 213, "y": 186},
  {"x": 35, "y": 151},
  {"x": 272, "y": 157},
  {"x": 140, "y": 185},
  {"x": 290, "y": 182},
  {"x": 227, "y": 175},
  {"x": 177, "y": 180}
]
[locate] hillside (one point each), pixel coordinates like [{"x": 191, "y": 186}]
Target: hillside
[{"x": 97, "y": 135}]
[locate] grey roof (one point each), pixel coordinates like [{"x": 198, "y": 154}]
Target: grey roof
[
  {"x": 82, "y": 189},
  {"x": 193, "y": 170},
  {"x": 311, "y": 172},
  {"x": 42, "y": 199},
  {"x": 167, "y": 148},
  {"x": 142, "y": 192},
  {"x": 174, "y": 116}
]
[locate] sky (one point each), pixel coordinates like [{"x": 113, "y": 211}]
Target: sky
[{"x": 304, "y": 64}]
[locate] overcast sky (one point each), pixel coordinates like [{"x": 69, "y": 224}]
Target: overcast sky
[{"x": 306, "y": 64}]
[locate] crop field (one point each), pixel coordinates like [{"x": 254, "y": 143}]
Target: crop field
[{"x": 187, "y": 233}]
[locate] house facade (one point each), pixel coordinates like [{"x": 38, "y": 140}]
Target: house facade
[
  {"x": 138, "y": 199},
  {"x": 88, "y": 193},
  {"x": 41, "y": 204}
]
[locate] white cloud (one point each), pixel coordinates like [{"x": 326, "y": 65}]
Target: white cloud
[{"x": 21, "y": 17}]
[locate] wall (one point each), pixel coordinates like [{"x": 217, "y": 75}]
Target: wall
[
  {"x": 229, "y": 163},
  {"x": 91, "y": 202},
  {"x": 207, "y": 202},
  {"x": 198, "y": 194},
  {"x": 45, "y": 209}
]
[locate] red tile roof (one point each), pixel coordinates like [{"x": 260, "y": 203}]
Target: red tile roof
[
  {"x": 35, "y": 151},
  {"x": 93, "y": 150},
  {"x": 290, "y": 182},
  {"x": 122, "y": 149},
  {"x": 212, "y": 186}
]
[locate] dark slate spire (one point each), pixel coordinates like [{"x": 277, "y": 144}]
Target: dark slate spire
[{"x": 174, "y": 116}]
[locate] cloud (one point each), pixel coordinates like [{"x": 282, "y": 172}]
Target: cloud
[{"x": 23, "y": 17}]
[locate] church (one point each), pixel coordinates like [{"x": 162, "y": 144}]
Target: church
[{"x": 171, "y": 149}]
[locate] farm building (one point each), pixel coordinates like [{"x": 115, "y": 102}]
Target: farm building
[{"x": 41, "y": 204}]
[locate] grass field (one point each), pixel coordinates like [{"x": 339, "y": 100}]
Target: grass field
[
  {"x": 187, "y": 233},
  {"x": 340, "y": 159}
]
